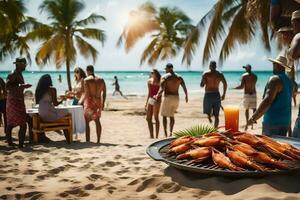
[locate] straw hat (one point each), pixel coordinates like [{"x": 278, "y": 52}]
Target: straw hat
[
  {"x": 285, "y": 29},
  {"x": 296, "y": 14},
  {"x": 281, "y": 60}
]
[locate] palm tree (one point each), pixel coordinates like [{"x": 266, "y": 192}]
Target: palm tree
[
  {"x": 232, "y": 23},
  {"x": 169, "y": 28},
  {"x": 64, "y": 32},
  {"x": 13, "y": 26}
]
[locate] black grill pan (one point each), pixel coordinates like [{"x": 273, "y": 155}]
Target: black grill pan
[{"x": 157, "y": 151}]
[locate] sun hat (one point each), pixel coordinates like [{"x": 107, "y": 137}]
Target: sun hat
[
  {"x": 281, "y": 60},
  {"x": 296, "y": 14},
  {"x": 20, "y": 60},
  {"x": 285, "y": 29}
]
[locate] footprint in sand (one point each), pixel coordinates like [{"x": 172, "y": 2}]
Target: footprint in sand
[
  {"x": 33, "y": 158},
  {"x": 19, "y": 157},
  {"x": 86, "y": 166},
  {"x": 33, "y": 195},
  {"x": 110, "y": 164},
  {"x": 153, "y": 196},
  {"x": 30, "y": 172},
  {"x": 136, "y": 181},
  {"x": 111, "y": 189},
  {"x": 168, "y": 188},
  {"x": 75, "y": 160},
  {"x": 94, "y": 177},
  {"x": 118, "y": 157},
  {"x": 145, "y": 184},
  {"x": 76, "y": 191},
  {"x": 65, "y": 158},
  {"x": 89, "y": 186}
]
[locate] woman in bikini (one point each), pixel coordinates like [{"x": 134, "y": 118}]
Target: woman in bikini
[
  {"x": 78, "y": 88},
  {"x": 152, "y": 105}
]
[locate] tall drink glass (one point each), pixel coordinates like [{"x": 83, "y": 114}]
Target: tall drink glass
[{"x": 231, "y": 114}]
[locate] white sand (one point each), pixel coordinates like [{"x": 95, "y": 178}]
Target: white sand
[{"x": 119, "y": 168}]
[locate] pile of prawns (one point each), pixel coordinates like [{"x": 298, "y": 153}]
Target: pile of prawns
[{"x": 236, "y": 151}]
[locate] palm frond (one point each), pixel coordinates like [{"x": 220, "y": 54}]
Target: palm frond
[
  {"x": 92, "y": 33},
  {"x": 86, "y": 49},
  {"x": 241, "y": 31},
  {"x": 195, "y": 131},
  {"x": 92, "y": 19}
]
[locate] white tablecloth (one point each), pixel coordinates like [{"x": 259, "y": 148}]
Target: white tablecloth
[{"x": 77, "y": 116}]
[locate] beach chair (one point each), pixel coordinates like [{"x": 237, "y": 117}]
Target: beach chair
[{"x": 38, "y": 126}]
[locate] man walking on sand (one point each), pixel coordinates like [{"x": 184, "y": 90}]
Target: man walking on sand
[
  {"x": 170, "y": 83},
  {"x": 15, "y": 106},
  {"x": 93, "y": 100},
  {"x": 248, "y": 83},
  {"x": 212, "y": 100}
]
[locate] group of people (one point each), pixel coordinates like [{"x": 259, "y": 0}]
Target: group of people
[
  {"x": 275, "y": 107},
  {"x": 169, "y": 85},
  {"x": 89, "y": 91}
]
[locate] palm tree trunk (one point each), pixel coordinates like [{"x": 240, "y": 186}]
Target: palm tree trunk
[
  {"x": 68, "y": 59},
  {"x": 68, "y": 75}
]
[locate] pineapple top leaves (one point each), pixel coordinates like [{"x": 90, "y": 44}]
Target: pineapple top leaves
[{"x": 195, "y": 131}]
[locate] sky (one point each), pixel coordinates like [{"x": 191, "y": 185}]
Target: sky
[{"x": 115, "y": 58}]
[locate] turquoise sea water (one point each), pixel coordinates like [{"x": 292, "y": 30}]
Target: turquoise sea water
[{"x": 135, "y": 82}]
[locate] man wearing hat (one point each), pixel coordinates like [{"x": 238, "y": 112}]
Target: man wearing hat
[
  {"x": 211, "y": 80},
  {"x": 170, "y": 83},
  {"x": 294, "y": 50},
  {"x": 276, "y": 104},
  {"x": 248, "y": 83},
  {"x": 15, "y": 106}
]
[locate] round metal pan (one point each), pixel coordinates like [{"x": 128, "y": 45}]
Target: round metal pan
[{"x": 157, "y": 151}]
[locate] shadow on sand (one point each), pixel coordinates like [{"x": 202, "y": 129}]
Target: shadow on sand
[
  {"x": 45, "y": 148},
  {"x": 229, "y": 185}
]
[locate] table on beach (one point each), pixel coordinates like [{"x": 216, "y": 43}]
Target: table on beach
[{"x": 77, "y": 116}]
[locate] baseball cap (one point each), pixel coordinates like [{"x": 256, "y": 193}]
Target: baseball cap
[{"x": 247, "y": 67}]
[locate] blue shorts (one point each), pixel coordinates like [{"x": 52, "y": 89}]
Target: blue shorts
[
  {"x": 296, "y": 131},
  {"x": 212, "y": 103},
  {"x": 270, "y": 130}
]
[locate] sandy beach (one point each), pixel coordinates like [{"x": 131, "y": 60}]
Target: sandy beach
[{"x": 119, "y": 167}]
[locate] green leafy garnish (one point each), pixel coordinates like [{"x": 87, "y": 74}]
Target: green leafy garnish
[{"x": 196, "y": 131}]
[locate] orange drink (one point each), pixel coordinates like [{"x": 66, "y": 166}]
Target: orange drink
[{"x": 231, "y": 114}]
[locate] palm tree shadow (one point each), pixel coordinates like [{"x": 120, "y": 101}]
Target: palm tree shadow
[{"x": 231, "y": 185}]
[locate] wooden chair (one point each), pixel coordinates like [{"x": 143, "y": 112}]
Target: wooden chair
[{"x": 38, "y": 126}]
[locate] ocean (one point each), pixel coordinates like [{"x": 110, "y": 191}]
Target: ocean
[{"x": 135, "y": 82}]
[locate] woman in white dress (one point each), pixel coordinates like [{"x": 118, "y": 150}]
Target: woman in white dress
[{"x": 46, "y": 97}]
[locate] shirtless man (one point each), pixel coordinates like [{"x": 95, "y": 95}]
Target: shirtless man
[
  {"x": 93, "y": 100},
  {"x": 294, "y": 50},
  {"x": 248, "y": 83},
  {"x": 212, "y": 99},
  {"x": 15, "y": 106},
  {"x": 170, "y": 83}
]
